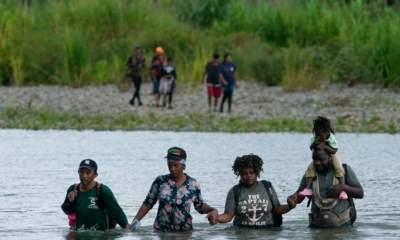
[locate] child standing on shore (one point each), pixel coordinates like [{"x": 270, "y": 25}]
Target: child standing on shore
[{"x": 325, "y": 140}]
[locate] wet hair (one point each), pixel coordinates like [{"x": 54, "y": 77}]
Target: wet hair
[
  {"x": 322, "y": 124},
  {"x": 248, "y": 161},
  {"x": 226, "y": 55},
  {"x": 215, "y": 56}
]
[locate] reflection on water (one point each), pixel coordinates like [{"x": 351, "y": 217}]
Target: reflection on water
[{"x": 36, "y": 168}]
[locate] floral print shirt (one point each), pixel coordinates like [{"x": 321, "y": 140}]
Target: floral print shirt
[{"x": 174, "y": 204}]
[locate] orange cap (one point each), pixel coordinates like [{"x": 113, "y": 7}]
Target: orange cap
[{"x": 159, "y": 50}]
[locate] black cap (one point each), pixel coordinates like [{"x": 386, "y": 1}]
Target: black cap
[
  {"x": 89, "y": 164},
  {"x": 176, "y": 153}
]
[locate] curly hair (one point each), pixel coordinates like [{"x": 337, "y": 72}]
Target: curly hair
[
  {"x": 322, "y": 124},
  {"x": 248, "y": 161}
]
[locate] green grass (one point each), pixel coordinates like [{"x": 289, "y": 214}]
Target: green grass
[
  {"x": 80, "y": 42},
  {"x": 18, "y": 118}
]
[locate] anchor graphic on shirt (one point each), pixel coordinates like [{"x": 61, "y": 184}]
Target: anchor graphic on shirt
[{"x": 254, "y": 218}]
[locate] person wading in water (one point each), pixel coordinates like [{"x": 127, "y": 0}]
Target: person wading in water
[
  {"x": 91, "y": 205},
  {"x": 253, "y": 203},
  {"x": 327, "y": 210},
  {"x": 176, "y": 193}
]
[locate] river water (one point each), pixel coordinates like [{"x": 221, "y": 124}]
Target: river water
[{"x": 37, "y": 167}]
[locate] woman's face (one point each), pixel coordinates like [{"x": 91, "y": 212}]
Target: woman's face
[
  {"x": 176, "y": 169},
  {"x": 228, "y": 59},
  {"x": 248, "y": 177}
]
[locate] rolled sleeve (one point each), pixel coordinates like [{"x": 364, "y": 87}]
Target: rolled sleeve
[{"x": 152, "y": 195}]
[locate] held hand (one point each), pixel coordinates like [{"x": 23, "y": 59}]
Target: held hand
[
  {"x": 134, "y": 222},
  {"x": 213, "y": 217},
  {"x": 321, "y": 146},
  {"x": 224, "y": 82},
  {"x": 72, "y": 195},
  {"x": 335, "y": 191},
  {"x": 292, "y": 201}
]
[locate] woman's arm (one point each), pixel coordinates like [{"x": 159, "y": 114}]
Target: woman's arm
[
  {"x": 212, "y": 213},
  {"x": 226, "y": 217},
  {"x": 282, "y": 209},
  {"x": 144, "y": 209}
]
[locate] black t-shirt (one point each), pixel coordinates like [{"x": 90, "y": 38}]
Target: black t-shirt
[
  {"x": 169, "y": 70},
  {"x": 213, "y": 73}
]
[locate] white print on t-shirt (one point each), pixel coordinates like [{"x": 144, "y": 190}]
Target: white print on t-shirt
[
  {"x": 254, "y": 208},
  {"x": 93, "y": 203},
  {"x": 82, "y": 227}
]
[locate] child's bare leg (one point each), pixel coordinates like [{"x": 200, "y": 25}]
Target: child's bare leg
[
  {"x": 341, "y": 180},
  {"x": 309, "y": 182},
  {"x": 310, "y": 174},
  {"x": 337, "y": 164}
]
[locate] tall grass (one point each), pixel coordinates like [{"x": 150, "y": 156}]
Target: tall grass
[{"x": 78, "y": 42}]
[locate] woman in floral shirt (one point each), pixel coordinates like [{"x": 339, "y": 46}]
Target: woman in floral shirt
[{"x": 176, "y": 193}]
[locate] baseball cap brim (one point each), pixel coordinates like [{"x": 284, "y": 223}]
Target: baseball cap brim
[
  {"x": 88, "y": 167},
  {"x": 175, "y": 157}
]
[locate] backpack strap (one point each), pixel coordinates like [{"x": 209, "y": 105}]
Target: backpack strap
[
  {"x": 277, "y": 217},
  {"x": 268, "y": 187},
  {"x": 236, "y": 193},
  {"x": 350, "y": 199},
  {"x": 102, "y": 205}
]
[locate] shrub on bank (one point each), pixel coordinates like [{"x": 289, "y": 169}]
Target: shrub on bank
[{"x": 77, "y": 42}]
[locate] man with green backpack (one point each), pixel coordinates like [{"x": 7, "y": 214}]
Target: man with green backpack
[{"x": 91, "y": 205}]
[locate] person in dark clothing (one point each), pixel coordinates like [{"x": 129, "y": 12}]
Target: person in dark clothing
[
  {"x": 156, "y": 73},
  {"x": 227, "y": 74},
  {"x": 136, "y": 63},
  {"x": 92, "y": 204},
  {"x": 213, "y": 82}
]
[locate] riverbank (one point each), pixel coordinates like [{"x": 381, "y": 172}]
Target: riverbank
[{"x": 256, "y": 108}]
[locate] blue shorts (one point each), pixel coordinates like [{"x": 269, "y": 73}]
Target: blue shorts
[{"x": 232, "y": 87}]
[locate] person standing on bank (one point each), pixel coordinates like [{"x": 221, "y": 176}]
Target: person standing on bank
[
  {"x": 213, "y": 82},
  {"x": 91, "y": 205},
  {"x": 136, "y": 63},
  {"x": 176, "y": 193},
  {"x": 253, "y": 203},
  {"x": 327, "y": 210},
  {"x": 167, "y": 83},
  {"x": 227, "y": 74}
]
